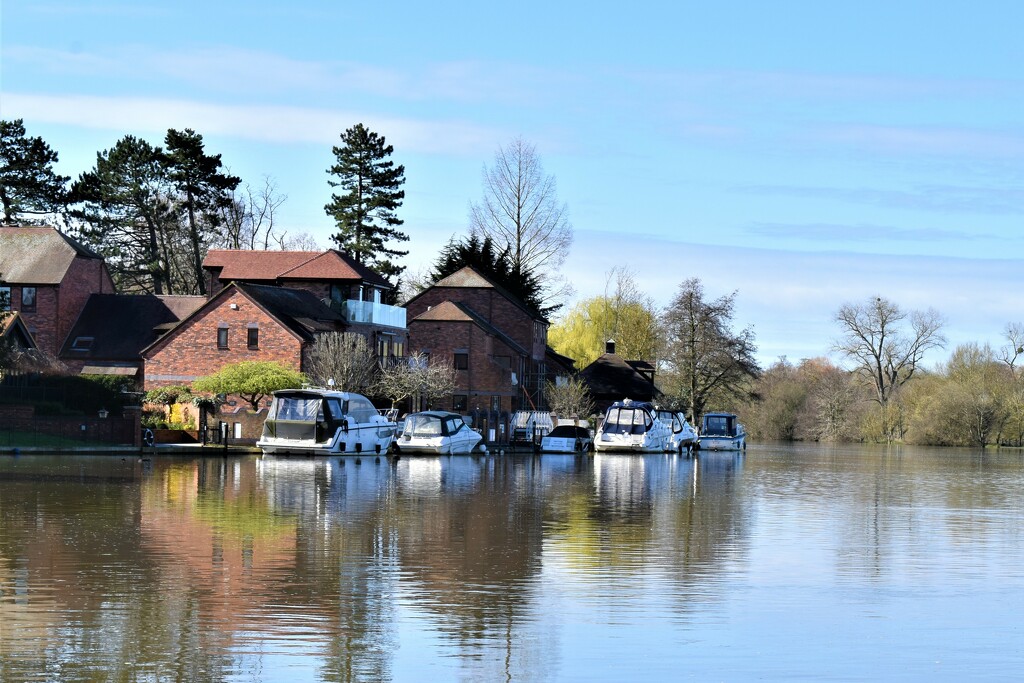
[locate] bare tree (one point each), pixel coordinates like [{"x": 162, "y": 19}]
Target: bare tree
[
  {"x": 248, "y": 220},
  {"x": 345, "y": 357},
  {"x": 416, "y": 377},
  {"x": 1014, "y": 347},
  {"x": 705, "y": 358},
  {"x": 520, "y": 211},
  {"x": 570, "y": 398},
  {"x": 885, "y": 354}
]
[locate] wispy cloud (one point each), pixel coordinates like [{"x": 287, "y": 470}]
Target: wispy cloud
[
  {"x": 229, "y": 69},
  {"x": 924, "y": 140},
  {"x": 942, "y": 198},
  {"x": 841, "y": 234},
  {"x": 276, "y": 124}
]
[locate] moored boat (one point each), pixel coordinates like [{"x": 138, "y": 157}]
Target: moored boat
[
  {"x": 567, "y": 438},
  {"x": 722, "y": 432},
  {"x": 632, "y": 426},
  {"x": 684, "y": 436},
  {"x": 438, "y": 432},
  {"x": 317, "y": 421}
]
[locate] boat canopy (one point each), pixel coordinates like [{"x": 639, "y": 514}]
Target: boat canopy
[{"x": 627, "y": 419}]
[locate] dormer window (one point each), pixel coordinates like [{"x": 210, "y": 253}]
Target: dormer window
[{"x": 82, "y": 343}]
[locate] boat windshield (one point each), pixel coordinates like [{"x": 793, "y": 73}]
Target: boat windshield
[
  {"x": 423, "y": 425},
  {"x": 298, "y": 408},
  {"x": 716, "y": 425},
  {"x": 626, "y": 421}
]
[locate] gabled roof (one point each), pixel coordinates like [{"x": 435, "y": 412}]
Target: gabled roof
[
  {"x": 611, "y": 376},
  {"x": 34, "y": 255},
  {"x": 120, "y": 326},
  {"x": 297, "y": 310},
  {"x": 556, "y": 358},
  {"x": 12, "y": 326},
  {"x": 248, "y": 265},
  {"x": 468, "y": 277},
  {"x": 451, "y": 311}
]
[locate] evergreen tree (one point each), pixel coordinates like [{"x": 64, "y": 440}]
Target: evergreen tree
[
  {"x": 28, "y": 183},
  {"x": 203, "y": 192},
  {"x": 370, "y": 192},
  {"x": 481, "y": 253},
  {"x": 124, "y": 202}
]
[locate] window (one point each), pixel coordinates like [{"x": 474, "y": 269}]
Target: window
[
  {"x": 252, "y": 340},
  {"x": 82, "y": 343},
  {"x": 28, "y": 299},
  {"x": 5, "y": 298},
  {"x": 398, "y": 349},
  {"x": 222, "y": 337},
  {"x": 459, "y": 402},
  {"x": 462, "y": 361},
  {"x": 382, "y": 347},
  {"x": 496, "y": 403}
]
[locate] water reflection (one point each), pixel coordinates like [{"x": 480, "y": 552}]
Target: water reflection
[{"x": 545, "y": 567}]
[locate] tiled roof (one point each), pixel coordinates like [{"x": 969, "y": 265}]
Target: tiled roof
[
  {"x": 248, "y": 265},
  {"x": 611, "y": 376},
  {"x": 468, "y": 277},
  {"x": 465, "y": 277},
  {"x": 297, "y": 309},
  {"x": 121, "y": 325},
  {"x": 33, "y": 255}
]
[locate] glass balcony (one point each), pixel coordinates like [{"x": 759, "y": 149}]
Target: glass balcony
[{"x": 373, "y": 313}]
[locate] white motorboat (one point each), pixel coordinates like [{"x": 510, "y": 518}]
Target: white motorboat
[
  {"x": 632, "y": 426},
  {"x": 438, "y": 432},
  {"x": 324, "y": 422},
  {"x": 722, "y": 432},
  {"x": 566, "y": 438},
  {"x": 683, "y": 436}
]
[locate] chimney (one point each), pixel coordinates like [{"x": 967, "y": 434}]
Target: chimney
[{"x": 609, "y": 346}]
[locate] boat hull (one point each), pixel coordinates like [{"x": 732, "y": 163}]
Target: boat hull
[{"x": 712, "y": 443}]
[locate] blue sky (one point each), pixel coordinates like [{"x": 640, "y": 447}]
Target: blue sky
[{"x": 805, "y": 154}]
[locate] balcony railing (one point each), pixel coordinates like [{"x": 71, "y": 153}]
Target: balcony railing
[{"x": 373, "y": 313}]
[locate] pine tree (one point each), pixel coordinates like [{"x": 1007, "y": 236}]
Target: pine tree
[
  {"x": 371, "y": 191},
  {"x": 204, "y": 190},
  {"x": 28, "y": 183}
]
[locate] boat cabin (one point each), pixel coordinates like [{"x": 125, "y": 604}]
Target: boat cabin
[
  {"x": 305, "y": 415},
  {"x": 719, "y": 424}
]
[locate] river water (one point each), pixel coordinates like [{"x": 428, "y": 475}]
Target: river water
[{"x": 789, "y": 562}]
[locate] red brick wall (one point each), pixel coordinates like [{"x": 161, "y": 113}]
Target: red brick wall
[
  {"x": 492, "y": 307},
  {"x": 58, "y": 307},
  {"x": 192, "y": 352},
  {"x": 43, "y": 322},
  {"x": 484, "y": 378}
]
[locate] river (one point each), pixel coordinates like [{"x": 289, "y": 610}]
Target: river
[{"x": 787, "y": 562}]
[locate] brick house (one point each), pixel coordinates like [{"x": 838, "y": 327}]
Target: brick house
[
  {"x": 497, "y": 344},
  {"x": 113, "y": 329},
  {"x": 241, "y": 322},
  {"x": 361, "y": 295},
  {"x": 49, "y": 277}
]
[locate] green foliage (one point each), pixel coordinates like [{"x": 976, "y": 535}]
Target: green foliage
[
  {"x": 582, "y": 333},
  {"x": 370, "y": 193},
  {"x": 252, "y": 380},
  {"x": 169, "y": 395},
  {"x": 28, "y": 183}
]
